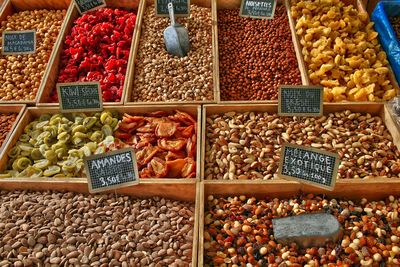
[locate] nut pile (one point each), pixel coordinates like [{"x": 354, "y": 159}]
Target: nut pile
[
  {"x": 98, "y": 50},
  {"x": 66, "y": 229},
  {"x": 160, "y": 76},
  {"x": 248, "y": 145},
  {"x": 21, "y": 75},
  {"x": 6, "y": 122},
  {"x": 342, "y": 51},
  {"x": 256, "y": 56},
  {"x": 395, "y": 21},
  {"x": 165, "y": 144},
  {"x": 238, "y": 231},
  {"x": 54, "y": 145}
]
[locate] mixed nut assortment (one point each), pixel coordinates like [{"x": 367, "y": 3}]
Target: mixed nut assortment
[
  {"x": 6, "y": 123},
  {"x": 248, "y": 145},
  {"x": 342, "y": 51},
  {"x": 255, "y": 56},
  {"x": 67, "y": 229},
  {"x": 54, "y": 145},
  {"x": 97, "y": 49},
  {"x": 21, "y": 75},
  {"x": 238, "y": 232},
  {"x": 160, "y": 76}
]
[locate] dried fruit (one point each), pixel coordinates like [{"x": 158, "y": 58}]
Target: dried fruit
[{"x": 97, "y": 49}]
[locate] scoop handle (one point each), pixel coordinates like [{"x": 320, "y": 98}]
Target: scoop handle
[{"x": 171, "y": 13}]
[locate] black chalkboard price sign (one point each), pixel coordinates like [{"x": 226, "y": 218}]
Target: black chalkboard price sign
[
  {"x": 309, "y": 165},
  {"x": 81, "y": 96},
  {"x": 181, "y": 8},
  {"x": 298, "y": 100},
  {"x": 19, "y": 42},
  {"x": 258, "y": 9},
  {"x": 111, "y": 170},
  {"x": 89, "y": 5}
]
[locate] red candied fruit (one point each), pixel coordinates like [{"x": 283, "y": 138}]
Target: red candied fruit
[{"x": 97, "y": 49}]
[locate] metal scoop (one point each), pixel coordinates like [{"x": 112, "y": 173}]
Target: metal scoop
[{"x": 176, "y": 36}]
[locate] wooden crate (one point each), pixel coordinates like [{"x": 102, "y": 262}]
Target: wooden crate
[
  {"x": 10, "y": 7},
  {"x": 349, "y": 189},
  {"x": 51, "y": 75},
  {"x": 182, "y": 190},
  {"x": 235, "y": 4},
  {"x": 7, "y": 109},
  {"x": 35, "y": 112},
  {"x": 359, "y": 4},
  {"x": 377, "y": 109},
  {"x": 130, "y": 76}
]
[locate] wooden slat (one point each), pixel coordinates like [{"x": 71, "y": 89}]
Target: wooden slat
[
  {"x": 31, "y": 113},
  {"x": 51, "y": 74},
  {"x": 132, "y": 64},
  {"x": 7, "y": 109}
]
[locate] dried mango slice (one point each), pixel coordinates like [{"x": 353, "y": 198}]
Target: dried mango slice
[
  {"x": 159, "y": 167},
  {"x": 166, "y": 129},
  {"x": 172, "y": 145}
]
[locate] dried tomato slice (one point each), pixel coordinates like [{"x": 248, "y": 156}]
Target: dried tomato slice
[
  {"x": 186, "y": 131},
  {"x": 175, "y": 168},
  {"x": 166, "y": 129},
  {"x": 130, "y": 126},
  {"x": 189, "y": 167},
  {"x": 175, "y": 155},
  {"x": 146, "y": 173},
  {"x": 183, "y": 117},
  {"x": 148, "y": 128},
  {"x": 121, "y": 135},
  {"x": 128, "y": 118},
  {"x": 146, "y": 154},
  {"x": 191, "y": 148},
  {"x": 159, "y": 167},
  {"x": 172, "y": 145}
]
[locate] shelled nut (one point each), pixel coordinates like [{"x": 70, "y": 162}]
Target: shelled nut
[
  {"x": 238, "y": 231},
  {"x": 248, "y": 145},
  {"x": 255, "y": 56},
  {"x": 64, "y": 229},
  {"x": 342, "y": 51},
  {"x": 160, "y": 76},
  {"x": 21, "y": 75}
]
